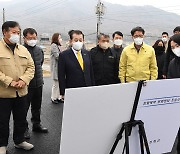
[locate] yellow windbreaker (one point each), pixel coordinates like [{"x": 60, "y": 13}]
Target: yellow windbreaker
[{"x": 136, "y": 66}]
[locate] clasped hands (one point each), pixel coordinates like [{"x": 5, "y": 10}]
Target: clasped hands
[{"x": 18, "y": 84}]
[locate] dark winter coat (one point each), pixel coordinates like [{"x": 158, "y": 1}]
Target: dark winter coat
[
  {"x": 168, "y": 57},
  {"x": 160, "y": 58},
  {"x": 174, "y": 68},
  {"x": 37, "y": 55},
  {"x": 117, "y": 52},
  {"x": 105, "y": 66}
]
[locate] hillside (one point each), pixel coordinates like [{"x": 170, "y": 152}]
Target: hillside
[{"x": 49, "y": 16}]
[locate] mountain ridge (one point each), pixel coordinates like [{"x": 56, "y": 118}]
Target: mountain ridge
[{"x": 64, "y": 15}]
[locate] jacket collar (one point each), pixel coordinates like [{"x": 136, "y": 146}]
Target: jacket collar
[
  {"x": 29, "y": 47},
  {"x": 117, "y": 49},
  {"x": 100, "y": 49},
  {"x": 74, "y": 58},
  {"x": 5, "y": 44},
  {"x": 75, "y": 51},
  {"x": 133, "y": 47}
]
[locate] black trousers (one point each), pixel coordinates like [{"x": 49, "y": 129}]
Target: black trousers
[
  {"x": 34, "y": 99},
  {"x": 18, "y": 108}
]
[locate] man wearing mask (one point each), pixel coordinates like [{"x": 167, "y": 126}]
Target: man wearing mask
[
  {"x": 36, "y": 85},
  {"x": 165, "y": 38},
  {"x": 138, "y": 61},
  {"x": 74, "y": 65},
  {"x": 16, "y": 71},
  {"x": 118, "y": 41},
  {"x": 105, "y": 63}
]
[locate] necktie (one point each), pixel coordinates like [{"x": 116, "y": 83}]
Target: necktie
[{"x": 80, "y": 60}]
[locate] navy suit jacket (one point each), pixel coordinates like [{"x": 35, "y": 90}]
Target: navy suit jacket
[{"x": 70, "y": 74}]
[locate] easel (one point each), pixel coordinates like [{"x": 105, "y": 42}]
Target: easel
[{"x": 127, "y": 127}]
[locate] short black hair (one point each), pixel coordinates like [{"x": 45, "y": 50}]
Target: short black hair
[
  {"x": 165, "y": 33},
  {"x": 102, "y": 34},
  {"x": 140, "y": 29},
  {"x": 9, "y": 24},
  {"x": 78, "y": 32},
  {"x": 176, "y": 29},
  {"x": 69, "y": 33},
  {"x": 30, "y": 31},
  {"x": 118, "y": 33},
  {"x": 176, "y": 38}
]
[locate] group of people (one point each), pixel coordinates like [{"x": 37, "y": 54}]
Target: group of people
[
  {"x": 104, "y": 65},
  {"x": 21, "y": 84},
  {"x": 21, "y": 76}
]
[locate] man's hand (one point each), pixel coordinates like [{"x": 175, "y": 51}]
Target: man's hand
[
  {"x": 18, "y": 84},
  {"x": 164, "y": 76},
  {"x": 21, "y": 84},
  {"x": 14, "y": 84}
]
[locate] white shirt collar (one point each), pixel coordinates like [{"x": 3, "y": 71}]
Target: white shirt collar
[{"x": 75, "y": 51}]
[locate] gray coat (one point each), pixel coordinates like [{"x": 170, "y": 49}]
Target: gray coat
[{"x": 54, "y": 55}]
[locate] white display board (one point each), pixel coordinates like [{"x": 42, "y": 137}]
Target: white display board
[
  {"x": 159, "y": 109},
  {"x": 93, "y": 116}
]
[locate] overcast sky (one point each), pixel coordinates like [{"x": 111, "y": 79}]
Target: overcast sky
[
  {"x": 158, "y": 3},
  {"x": 171, "y": 6}
]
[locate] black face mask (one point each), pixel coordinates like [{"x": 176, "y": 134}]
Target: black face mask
[{"x": 160, "y": 48}]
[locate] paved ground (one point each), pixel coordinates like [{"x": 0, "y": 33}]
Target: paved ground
[{"x": 51, "y": 118}]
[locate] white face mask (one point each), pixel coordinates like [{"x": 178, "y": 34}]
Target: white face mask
[
  {"x": 14, "y": 38},
  {"x": 104, "y": 45},
  {"x": 32, "y": 43},
  {"x": 176, "y": 51},
  {"x": 118, "y": 42},
  {"x": 164, "y": 39},
  {"x": 77, "y": 45},
  {"x": 138, "y": 41}
]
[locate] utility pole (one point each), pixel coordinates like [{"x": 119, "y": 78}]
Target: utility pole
[
  {"x": 100, "y": 12},
  {"x": 3, "y": 15}
]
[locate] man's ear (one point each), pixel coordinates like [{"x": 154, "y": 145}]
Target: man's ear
[
  {"x": 98, "y": 42},
  {"x": 3, "y": 32}
]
